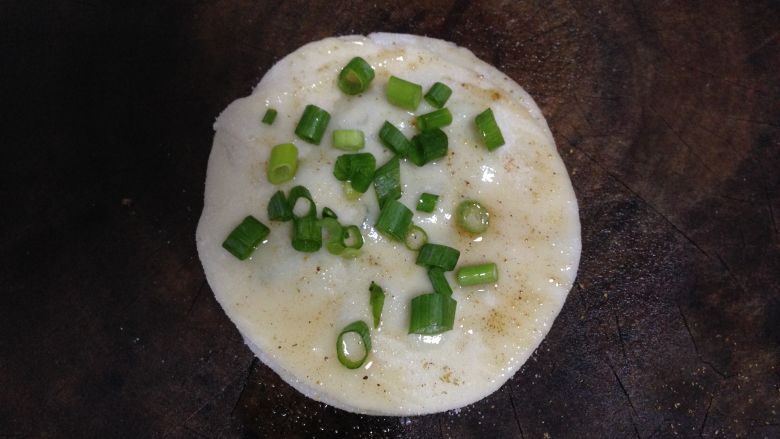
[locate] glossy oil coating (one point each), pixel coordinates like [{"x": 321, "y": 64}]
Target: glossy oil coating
[{"x": 290, "y": 306}]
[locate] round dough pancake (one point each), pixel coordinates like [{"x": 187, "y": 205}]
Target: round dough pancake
[{"x": 290, "y": 306}]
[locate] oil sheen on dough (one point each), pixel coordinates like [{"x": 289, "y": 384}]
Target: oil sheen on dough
[{"x": 290, "y": 306}]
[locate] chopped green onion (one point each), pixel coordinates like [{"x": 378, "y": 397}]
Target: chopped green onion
[
  {"x": 415, "y": 238},
  {"x": 269, "y": 117},
  {"x": 342, "y": 241},
  {"x": 439, "y": 282},
  {"x": 343, "y": 350},
  {"x": 472, "y": 217},
  {"x": 357, "y": 168},
  {"x": 307, "y": 234},
  {"x": 387, "y": 181},
  {"x": 477, "y": 274},
  {"x": 437, "y": 255},
  {"x": 349, "y": 140},
  {"x": 355, "y": 76},
  {"x": 350, "y": 193},
  {"x": 432, "y": 314},
  {"x": 438, "y": 94},
  {"x": 403, "y": 93},
  {"x": 377, "y": 302},
  {"x": 296, "y": 194},
  {"x": 394, "y": 220},
  {"x": 434, "y": 119},
  {"x": 335, "y": 234},
  {"x": 352, "y": 238},
  {"x": 394, "y": 139},
  {"x": 283, "y": 163},
  {"x": 278, "y": 208},
  {"x": 415, "y": 155},
  {"x": 427, "y": 202},
  {"x": 327, "y": 212},
  {"x": 245, "y": 238},
  {"x": 312, "y": 124},
  {"x": 429, "y": 145},
  {"x": 489, "y": 130}
]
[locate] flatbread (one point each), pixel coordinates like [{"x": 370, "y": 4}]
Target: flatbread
[{"x": 290, "y": 306}]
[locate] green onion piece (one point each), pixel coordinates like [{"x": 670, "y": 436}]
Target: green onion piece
[
  {"x": 477, "y": 274},
  {"x": 432, "y": 314},
  {"x": 343, "y": 349},
  {"x": 472, "y": 217},
  {"x": 283, "y": 163},
  {"x": 245, "y": 238},
  {"x": 327, "y": 212},
  {"x": 402, "y": 93},
  {"x": 278, "y": 208},
  {"x": 335, "y": 235},
  {"x": 394, "y": 139},
  {"x": 357, "y": 168},
  {"x": 427, "y": 202},
  {"x": 377, "y": 302},
  {"x": 387, "y": 181},
  {"x": 394, "y": 220},
  {"x": 352, "y": 238},
  {"x": 434, "y": 119},
  {"x": 438, "y": 94},
  {"x": 342, "y": 241},
  {"x": 437, "y": 255},
  {"x": 355, "y": 76},
  {"x": 312, "y": 124},
  {"x": 415, "y": 155},
  {"x": 349, "y": 140},
  {"x": 350, "y": 193},
  {"x": 439, "y": 282},
  {"x": 415, "y": 238},
  {"x": 269, "y": 117},
  {"x": 489, "y": 130},
  {"x": 307, "y": 234},
  {"x": 430, "y": 145},
  {"x": 297, "y": 193}
]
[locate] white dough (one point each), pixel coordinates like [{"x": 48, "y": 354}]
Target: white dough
[{"x": 290, "y": 306}]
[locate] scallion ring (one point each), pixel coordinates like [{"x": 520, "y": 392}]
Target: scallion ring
[
  {"x": 269, "y": 116},
  {"x": 438, "y": 95},
  {"x": 472, "y": 217},
  {"x": 356, "y": 76},
  {"x": 349, "y": 140},
  {"x": 283, "y": 163},
  {"x": 488, "y": 129},
  {"x": 357, "y": 168},
  {"x": 427, "y": 202},
  {"x": 299, "y": 210},
  {"x": 311, "y": 127},
  {"x": 345, "y": 348},
  {"x": 387, "y": 181},
  {"x": 394, "y": 220},
  {"x": 415, "y": 238},
  {"x": 403, "y": 93},
  {"x": 307, "y": 234},
  {"x": 437, "y": 255},
  {"x": 477, "y": 274},
  {"x": 245, "y": 238},
  {"x": 278, "y": 208},
  {"x": 394, "y": 139},
  {"x": 432, "y": 314},
  {"x": 435, "y": 119}
]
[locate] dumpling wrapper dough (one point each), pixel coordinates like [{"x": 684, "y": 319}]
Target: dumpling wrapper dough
[{"x": 290, "y": 306}]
